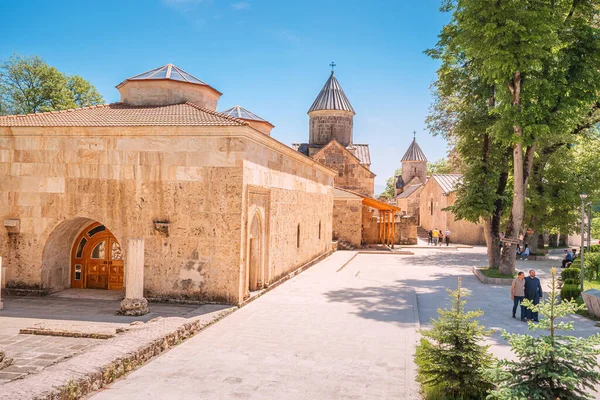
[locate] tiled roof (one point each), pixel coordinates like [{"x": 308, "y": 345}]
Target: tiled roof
[
  {"x": 447, "y": 182},
  {"x": 242, "y": 113},
  {"x": 408, "y": 190},
  {"x": 119, "y": 114},
  {"x": 331, "y": 97},
  {"x": 414, "y": 153},
  {"x": 362, "y": 151}
]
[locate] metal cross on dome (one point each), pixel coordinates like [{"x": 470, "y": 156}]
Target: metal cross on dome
[
  {"x": 414, "y": 134},
  {"x": 332, "y": 65}
]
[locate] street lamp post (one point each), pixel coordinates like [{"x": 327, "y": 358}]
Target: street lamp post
[
  {"x": 589, "y": 228},
  {"x": 583, "y": 196}
]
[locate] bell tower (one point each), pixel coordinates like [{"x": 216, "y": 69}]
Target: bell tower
[
  {"x": 414, "y": 163},
  {"x": 331, "y": 115}
]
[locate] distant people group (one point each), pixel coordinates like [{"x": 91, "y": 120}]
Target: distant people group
[
  {"x": 437, "y": 237},
  {"x": 529, "y": 288},
  {"x": 568, "y": 258}
]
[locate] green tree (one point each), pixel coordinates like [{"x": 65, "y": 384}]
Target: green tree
[
  {"x": 549, "y": 366},
  {"x": 539, "y": 58},
  {"x": 439, "y": 167},
  {"x": 450, "y": 359},
  {"x": 30, "y": 85},
  {"x": 390, "y": 185}
]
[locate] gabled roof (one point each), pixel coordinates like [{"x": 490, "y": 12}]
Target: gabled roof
[
  {"x": 414, "y": 153},
  {"x": 120, "y": 114},
  {"x": 242, "y": 113},
  {"x": 362, "y": 151},
  {"x": 331, "y": 97},
  {"x": 167, "y": 72},
  {"x": 448, "y": 182},
  {"x": 409, "y": 190}
]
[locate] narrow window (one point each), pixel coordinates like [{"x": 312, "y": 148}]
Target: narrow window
[
  {"x": 298, "y": 237},
  {"x": 431, "y": 206},
  {"x": 80, "y": 247},
  {"x": 319, "y": 229}
]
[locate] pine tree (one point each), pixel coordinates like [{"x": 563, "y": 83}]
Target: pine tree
[
  {"x": 450, "y": 359},
  {"x": 550, "y": 366}
]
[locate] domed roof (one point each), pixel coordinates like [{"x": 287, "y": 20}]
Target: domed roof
[
  {"x": 242, "y": 113},
  {"x": 331, "y": 97},
  {"x": 168, "y": 72}
]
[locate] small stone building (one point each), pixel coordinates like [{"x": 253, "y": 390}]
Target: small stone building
[
  {"x": 359, "y": 219},
  {"x": 224, "y": 209},
  {"x": 425, "y": 198}
]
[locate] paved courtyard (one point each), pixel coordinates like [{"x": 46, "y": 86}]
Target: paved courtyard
[{"x": 329, "y": 334}]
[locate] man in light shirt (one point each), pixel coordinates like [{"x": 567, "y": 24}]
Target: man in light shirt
[{"x": 517, "y": 294}]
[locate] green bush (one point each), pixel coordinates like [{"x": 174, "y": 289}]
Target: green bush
[
  {"x": 451, "y": 358},
  {"x": 572, "y": 281},
  {"x": 570, "y": 292},
  {"x": 570, "y": 273},
  {"x": 592, "y": 266},
  {"x": 595, "y": 248}
]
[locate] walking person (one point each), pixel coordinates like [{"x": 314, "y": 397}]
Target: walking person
[
  {"x": 447, "y": 236},
  {"x": 430, "y": 238},
  {"x": 435, "y": 235},
  {"x": 441, "y": 237},
  {"x": 533, "y": 292},
  {"x": 517, "y": 294}
]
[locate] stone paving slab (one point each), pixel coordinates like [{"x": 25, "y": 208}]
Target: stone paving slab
[
  {"x": 322, "y": 335},
  {"x": 88, "y": 371}
]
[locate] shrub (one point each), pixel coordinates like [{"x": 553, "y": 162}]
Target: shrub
[
  {"x": 549, "y": 366},
  {"x": 450, "y": 359},
  {"x": 595, "y": 248},
  {"x": 592, "y": 266},
  {"x": 571, "y": 281},
  {"x": 570, "y": 291},
  {"x": 570, "y": 273}
]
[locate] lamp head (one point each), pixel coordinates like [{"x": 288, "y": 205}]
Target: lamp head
[{"x": 583, "y": 196}]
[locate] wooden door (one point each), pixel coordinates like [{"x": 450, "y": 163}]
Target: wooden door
[
  {"x": 115, "y": 265},
  {"x": 97, "y": 263},
  {"x": 97, "y": 260}
]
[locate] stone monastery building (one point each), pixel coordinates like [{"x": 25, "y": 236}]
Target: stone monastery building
[{"x": 221, "y": 207}]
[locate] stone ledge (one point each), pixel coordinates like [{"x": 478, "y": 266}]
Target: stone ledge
[
  {"x": 491, "y": 281},
  {"x": 9, "y": 291},
  {"x": 90, "y": 371}
]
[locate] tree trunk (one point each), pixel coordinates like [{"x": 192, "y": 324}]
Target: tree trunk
[
  {"x": 540, "y": 245},
  {"x": 553, "y": 240},
  {"x": 492, "y": 240},
  {"x": 563, "y": 240},
  {"x": 533, "y": 242}
]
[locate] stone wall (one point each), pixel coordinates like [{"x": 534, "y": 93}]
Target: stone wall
[
  {"x": 162, "y": 92},
  {"x": 460, "y": 231},
  {"x": 347, "y": 218},
  {"x": 128, "y": 178},
  {"x": 351, "y": 174},
  {"x": 370, "y": 225},
  {"x": 412, "y": 169},
  {"x": 411, "y": 206},
  {"x": 326, "y": 125},
  {"x": 405, "y": 230}
]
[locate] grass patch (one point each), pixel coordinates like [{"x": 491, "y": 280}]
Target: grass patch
[{"x": 495, "y": 273}]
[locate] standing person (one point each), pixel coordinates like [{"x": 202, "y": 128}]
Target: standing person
[
  {"x": 430, "y": 238},
  {"x": 533, "y": 292},
  {"x": 447, "y": 236},
  {"x": 441, "y": 237},
  {"x": 517, "y": 294},
  {"x": 435, "y": 235}
]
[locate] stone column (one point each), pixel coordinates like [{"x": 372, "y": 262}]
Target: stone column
[{"x": 134, "y": 302}]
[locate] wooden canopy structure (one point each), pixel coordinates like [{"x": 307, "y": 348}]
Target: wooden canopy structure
[{"x": 387, "y": 214}]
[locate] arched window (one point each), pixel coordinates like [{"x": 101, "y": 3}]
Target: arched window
[
  {"x": 319, "y": 229},
  {"x": 298, "y": 237}
]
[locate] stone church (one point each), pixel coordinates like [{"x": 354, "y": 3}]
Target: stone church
[
  {"x": 221, "y": 207},
  {"x": 426, "y": 198},
  {"x": 358, "y": 218}
]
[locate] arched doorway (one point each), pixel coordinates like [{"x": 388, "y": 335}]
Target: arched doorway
[
  {"x": 96, "y": 259},
  {"x": 255, "y": 257}
]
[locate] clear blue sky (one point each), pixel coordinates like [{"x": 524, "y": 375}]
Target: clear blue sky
[{"x": 270, "y": 56}]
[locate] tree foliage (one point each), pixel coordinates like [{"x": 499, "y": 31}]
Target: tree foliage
[
  {"x": 535, "y": 63},
  {"x": 30, "y": 85},
  {"x": 390, "y": 184},
  {"x": 440, "y": 167},
  {"x": 450, "y": 358},
  {"x": 549, "y": 366}
]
